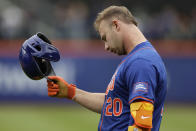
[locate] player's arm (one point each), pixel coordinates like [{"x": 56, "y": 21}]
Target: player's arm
[
  {"x": 141, "y": 78},
  {"x": 142, "y": 113},
  {"x": 92, "y": 101},
  {"x": 58, "y": 87}
]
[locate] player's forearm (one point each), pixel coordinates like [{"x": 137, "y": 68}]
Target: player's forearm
[{"x": 92, "y": 101}]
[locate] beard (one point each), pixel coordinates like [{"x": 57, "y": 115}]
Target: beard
[
  {"x": 118, "y": 51},
  {"x": 117, "y": 47},
  {"x": 121, "y": 51}
]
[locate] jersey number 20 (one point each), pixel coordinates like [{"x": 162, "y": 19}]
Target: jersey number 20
[{"x": 117, "y": 107}]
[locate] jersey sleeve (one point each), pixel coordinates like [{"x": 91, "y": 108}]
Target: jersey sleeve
[{"x": 140, "y": 77}]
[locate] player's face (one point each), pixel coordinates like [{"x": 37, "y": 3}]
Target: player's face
[{"x": 112, "y": 37}]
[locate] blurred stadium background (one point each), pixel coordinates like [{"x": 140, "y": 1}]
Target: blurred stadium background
[{"x": 169, "y": 24}]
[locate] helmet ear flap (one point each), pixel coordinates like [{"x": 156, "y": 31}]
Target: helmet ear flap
[
  {"x": 44, "y": 66},
  {"x": 29, "y": 66}
]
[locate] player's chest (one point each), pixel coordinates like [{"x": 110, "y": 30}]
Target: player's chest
[
  {"x": 116, "y": 96},
  {"x": 116, "y": 86}
]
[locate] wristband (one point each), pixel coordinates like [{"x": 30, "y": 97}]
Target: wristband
[{"x": 71, "y": 91}]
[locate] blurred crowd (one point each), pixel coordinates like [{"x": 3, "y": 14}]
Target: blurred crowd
[{"x": 71, "y": 19}]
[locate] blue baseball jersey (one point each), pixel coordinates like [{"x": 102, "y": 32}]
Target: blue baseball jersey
[{"x": 140, "y": 75}]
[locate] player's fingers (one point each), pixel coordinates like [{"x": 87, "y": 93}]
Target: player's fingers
[
  {"x": 50, "y": 86},
  {"x": 50, "y": 82},
  {"x": 52, "y": 90},
  {"x": 54, "y": 86},
  {"x": 55, "y": 78},
  {"x": 52, "y": 93}
]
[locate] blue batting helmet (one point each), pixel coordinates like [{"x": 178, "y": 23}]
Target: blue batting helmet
[{"x": 35, "y": 56}]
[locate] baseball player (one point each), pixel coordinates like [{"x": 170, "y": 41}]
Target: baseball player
[{"x": 135, "y": 96}]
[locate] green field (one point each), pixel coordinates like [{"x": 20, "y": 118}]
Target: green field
[{"x": 66, "y": 118}]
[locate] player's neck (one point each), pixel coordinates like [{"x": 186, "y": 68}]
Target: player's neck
[{"x": 133, "y": 37}]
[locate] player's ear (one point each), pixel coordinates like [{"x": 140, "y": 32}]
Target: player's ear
[{"x": 115, "y": 25}]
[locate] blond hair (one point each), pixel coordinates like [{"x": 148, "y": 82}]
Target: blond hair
[{"x": 119, "y": 12}]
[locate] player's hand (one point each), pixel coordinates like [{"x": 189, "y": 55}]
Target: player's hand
[{"x": 58, "y": 87}]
